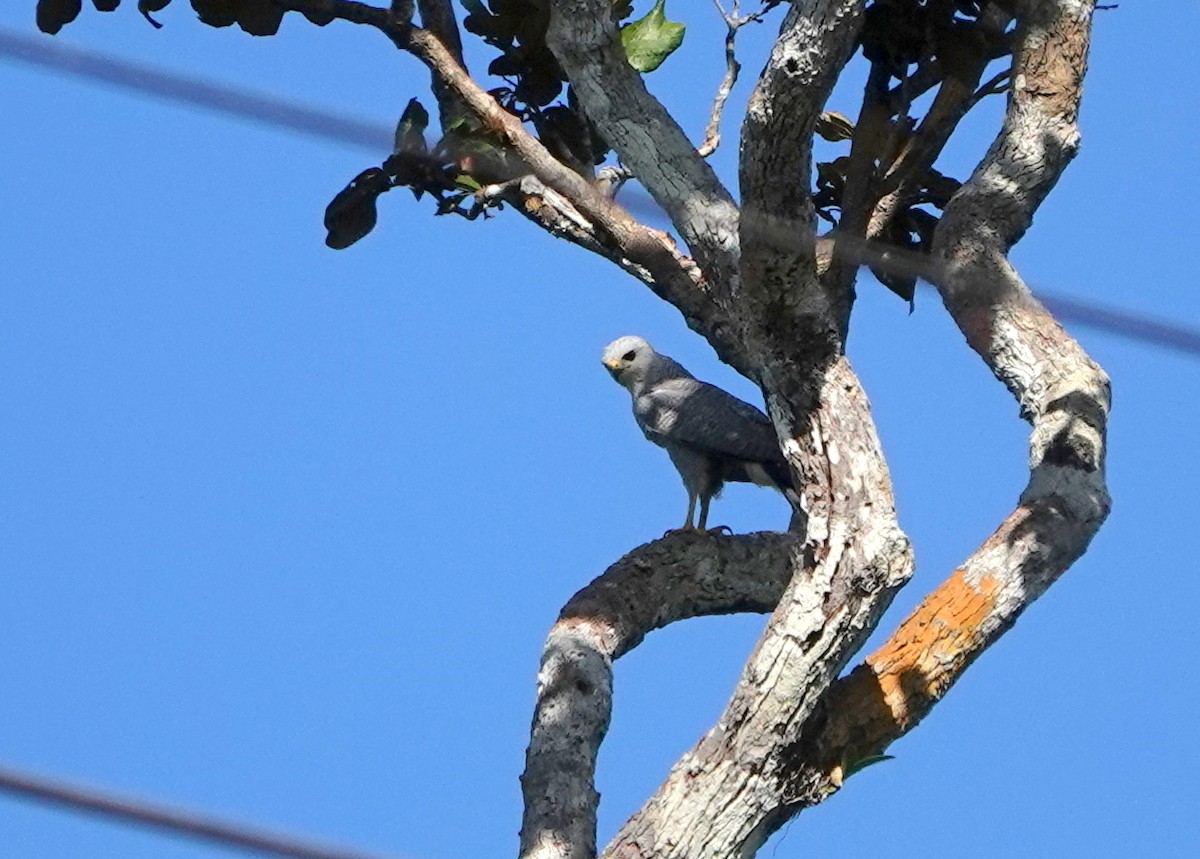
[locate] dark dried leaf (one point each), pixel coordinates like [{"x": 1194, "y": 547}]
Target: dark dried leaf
[
  {"x": 53, "y": 15},
  {"x": 259, "y": 17},
  {"x": 352, "y": 214},
  {"x": 911, "y": 231},
  {"x": 538, "y": 87},
  {"x": 938, "y": 189},
  {"x": 106, "y": 5},
  {"x": 832, "y": 174},
  {"x": 893, "y": 34},
  {"x": 566, "y": 134},
  {"x": 319, "y": 18},
  {"x": 921, "y": 224},
  {"x": 506, "y": 65},
  {"x": 148, "y": 6},
  {"x": 410, "y": 130},
  {"x": 598, "y": 145},
  {"x": 216, "y": 13}
]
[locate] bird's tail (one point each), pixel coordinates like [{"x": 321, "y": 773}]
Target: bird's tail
[{"x": 781, "y": 479}]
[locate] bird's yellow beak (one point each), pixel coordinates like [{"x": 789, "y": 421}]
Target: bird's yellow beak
[{"x": 614, "y": 364}]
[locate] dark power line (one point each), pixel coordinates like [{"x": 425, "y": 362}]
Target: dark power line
[
  {"x": 378, "y": 138},
  {"x": 265, "y": 109},
  {"x": 154, "y": 816}
]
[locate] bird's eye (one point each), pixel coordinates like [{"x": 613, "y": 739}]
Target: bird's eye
[{"x": 629, "y": 356}]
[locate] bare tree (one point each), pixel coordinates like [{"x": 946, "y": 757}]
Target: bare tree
[{"x": 773, "y": 296}]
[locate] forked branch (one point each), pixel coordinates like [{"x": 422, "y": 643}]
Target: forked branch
[
  {"x": 1063, "y": 393},
  {"x": 681, "y": 576},
  {"x": 734, "y": 21}
]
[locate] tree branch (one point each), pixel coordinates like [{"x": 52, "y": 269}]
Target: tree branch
[
  {"x": 437, "y": 16},
  {"x": 587, "y": 43},
  {"x": 734, "y": 21},
  {"x": 723, "y": 798},
  {"x": 1063, "y": 393},
  {"x": 816, "y": 40},
  {"x": 872, "y": 134},
  {"x": 680, "y": 576},
  {"x": 670, "y": 275},
  {"x": 555, "y": 214}
]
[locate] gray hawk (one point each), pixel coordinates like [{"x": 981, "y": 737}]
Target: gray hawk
[{"x": 710, "y": 435}]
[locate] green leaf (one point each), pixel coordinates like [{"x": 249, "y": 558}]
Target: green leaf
[
  {"x": 650, "y": 40},
  {"x": 870, "y": 760},
  {"x": 468, "y": 182},
  {"x": 410, "y": 130}
]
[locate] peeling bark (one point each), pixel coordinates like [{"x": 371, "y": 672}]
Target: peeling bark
[
  {"x": 683, "y": 575},
  {"x": 586, "y": 42},
  {"x": 775, "y": 303},
  {"x": 1062, "y": 392},
  {"x": 724, "y": 797}
]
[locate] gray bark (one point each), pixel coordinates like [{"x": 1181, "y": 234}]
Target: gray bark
[{"x": 755, "y": 290}]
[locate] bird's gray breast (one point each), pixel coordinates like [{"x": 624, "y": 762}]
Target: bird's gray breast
[{"x": 657, "y": 416}]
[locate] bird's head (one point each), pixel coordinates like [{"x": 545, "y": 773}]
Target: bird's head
[{"x": 628, "y": 358}]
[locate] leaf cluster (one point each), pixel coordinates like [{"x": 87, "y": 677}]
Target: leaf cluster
[
  {"x": 919, "y": 43},
  {"x": 256, "y": 17},
  {"x": 445, "y": 176},
  {"x": 897, "y": 34}
]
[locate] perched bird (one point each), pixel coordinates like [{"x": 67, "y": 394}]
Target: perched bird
[{"x": 710, "y": 435}]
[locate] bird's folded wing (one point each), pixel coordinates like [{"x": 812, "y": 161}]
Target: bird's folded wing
[{"x": 702, "y": 416}]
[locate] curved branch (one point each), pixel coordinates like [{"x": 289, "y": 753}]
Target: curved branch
[
  {"x": 555, "y": 214},
  {"x": 671, "y": 276},
  {"x": 722, "y": 798},
  {"x": 680, "y": 576},
  {"x": 1063, "y": 393}
]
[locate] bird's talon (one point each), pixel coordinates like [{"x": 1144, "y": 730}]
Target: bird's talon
[
  {"x": 685, "y": 529},
  {"x": 719, "y": 529}
]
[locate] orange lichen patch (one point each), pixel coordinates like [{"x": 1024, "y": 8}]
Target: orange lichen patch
[{"x": 920, "y": 661}]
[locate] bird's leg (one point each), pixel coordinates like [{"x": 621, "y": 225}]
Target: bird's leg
[
  {"x": 687, "y": 524},
  {"x": 703, "y": 526}
]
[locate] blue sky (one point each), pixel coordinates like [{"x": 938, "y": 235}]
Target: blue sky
[{"x": 282, "y": 528}]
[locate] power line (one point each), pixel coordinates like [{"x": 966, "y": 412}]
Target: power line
[
  {"x": 154, "y": 816},
  {"x": 1132, "y": 326},
  {"x": 258, "y": 107},
  {"x": 378, "y": 138}
]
